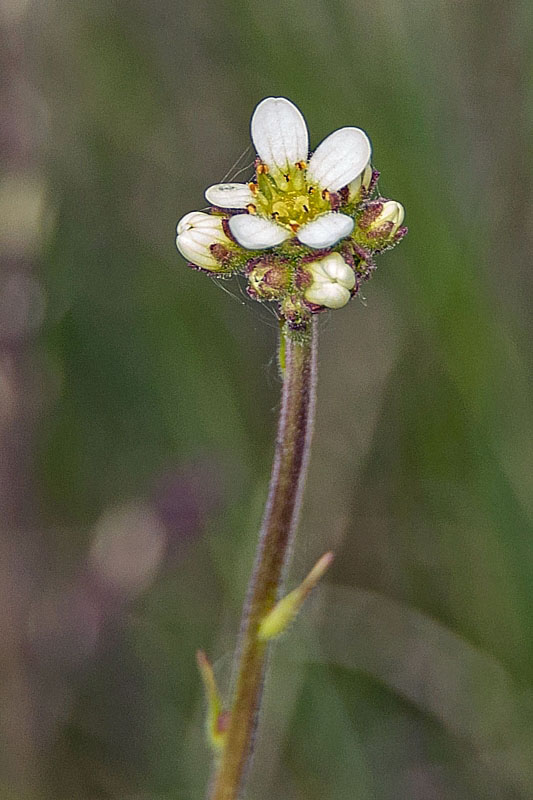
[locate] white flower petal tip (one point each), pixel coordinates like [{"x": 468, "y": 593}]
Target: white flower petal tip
[
  {"x": 257, "y": 233},
  {"x": 229, "y": 195},
  {"x": 392, "y": 212},
  {"x": 333, "y": 281},
  {"x": 279, "y": 133},
  {"x": 340, "y": 158},
  {"x": 196, "y": 233},
  {"x": 325, "y": 230}
]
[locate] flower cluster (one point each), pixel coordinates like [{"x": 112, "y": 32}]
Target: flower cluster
[{"x": 305, "y": 230}]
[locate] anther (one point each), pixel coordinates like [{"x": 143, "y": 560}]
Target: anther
[
  {"x": 262, "y": 169},
  {"x": 306, "y": 209},
  {"x": 325, "y": 194},
  {"x": 287, "y": 177},
  {"x": 294, "y": 226},
  {"x": 311, "y": 190},
  {"x": 301, "y": 164},
  {"x": 252, "y": 187},
  {"x": 251, "y": 209}
]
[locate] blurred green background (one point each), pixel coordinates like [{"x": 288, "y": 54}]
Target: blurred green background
[{"x": 138, "y": 405}]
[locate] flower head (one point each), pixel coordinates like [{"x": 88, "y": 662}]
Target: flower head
[
  {"x": 291, "y": 196},
  {"x": 294, "y": 229}
]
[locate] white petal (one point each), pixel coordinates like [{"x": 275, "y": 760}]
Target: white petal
[
  {"x": 331, "y": 295},
  {"x": 257, "y": 233},
  {"x": 279, "y": 133},
  {"x": 340, "y": 158},
  {"x": 325, "y": 230},
  {"x": 229, "y": 195}
]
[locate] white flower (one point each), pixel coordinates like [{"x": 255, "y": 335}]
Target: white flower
[
  {"x": 292, "y": 195},
  {"x": 197, "y": 232},
  {"x": 392, "y": 211},
  {"x": 333, "y": 280}
]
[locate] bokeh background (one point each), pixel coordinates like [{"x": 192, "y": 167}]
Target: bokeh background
[{"x": 138, "y": 404}]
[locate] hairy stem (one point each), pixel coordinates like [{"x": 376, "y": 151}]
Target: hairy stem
[{"x": 282, "y": 511}]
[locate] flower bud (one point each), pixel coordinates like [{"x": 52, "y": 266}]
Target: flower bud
[
  {"x": 268, "y": 278},
  {"x": 332, "y": 281},
  {"x": 202, "y": 241},
  {"x": 378, "y": 227},
  {"x": 392, "y": 212},
  {"x": 360, "y": 186}
]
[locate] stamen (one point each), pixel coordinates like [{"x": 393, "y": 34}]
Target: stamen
[
  {"x": 262, "y": 169},
  {"x": 294, "y": 226},
  {"x": 253, "y": 187},
  {"x": 306, "y": 208},
  {"x": 287, "y": 178},
  {"x": 301, "y": 165},
  {"x": 311, "y": 190},
  {"x": 251, "y": 209},
  {"x": 325, "y": 194}
]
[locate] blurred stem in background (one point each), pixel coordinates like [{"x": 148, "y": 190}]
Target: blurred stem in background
[
  {"x": 22, "y": 207},
  {"x": 281, "y": 516}
]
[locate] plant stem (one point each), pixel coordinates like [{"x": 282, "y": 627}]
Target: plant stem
[{"x": 280, "y": 519}]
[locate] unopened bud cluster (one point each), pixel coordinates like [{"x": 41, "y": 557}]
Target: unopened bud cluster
[{"x": 304, "y": 232}]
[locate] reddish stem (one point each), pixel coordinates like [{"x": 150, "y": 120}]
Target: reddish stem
[{"x": 275, "y": 543}]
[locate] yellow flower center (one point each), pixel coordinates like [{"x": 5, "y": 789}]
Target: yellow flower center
[{"x": 287, "y": 197}]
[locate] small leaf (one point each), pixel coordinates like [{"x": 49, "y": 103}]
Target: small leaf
[
  {"x": 286, "y": 609},
  {"x": 217, "y": 719}
]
